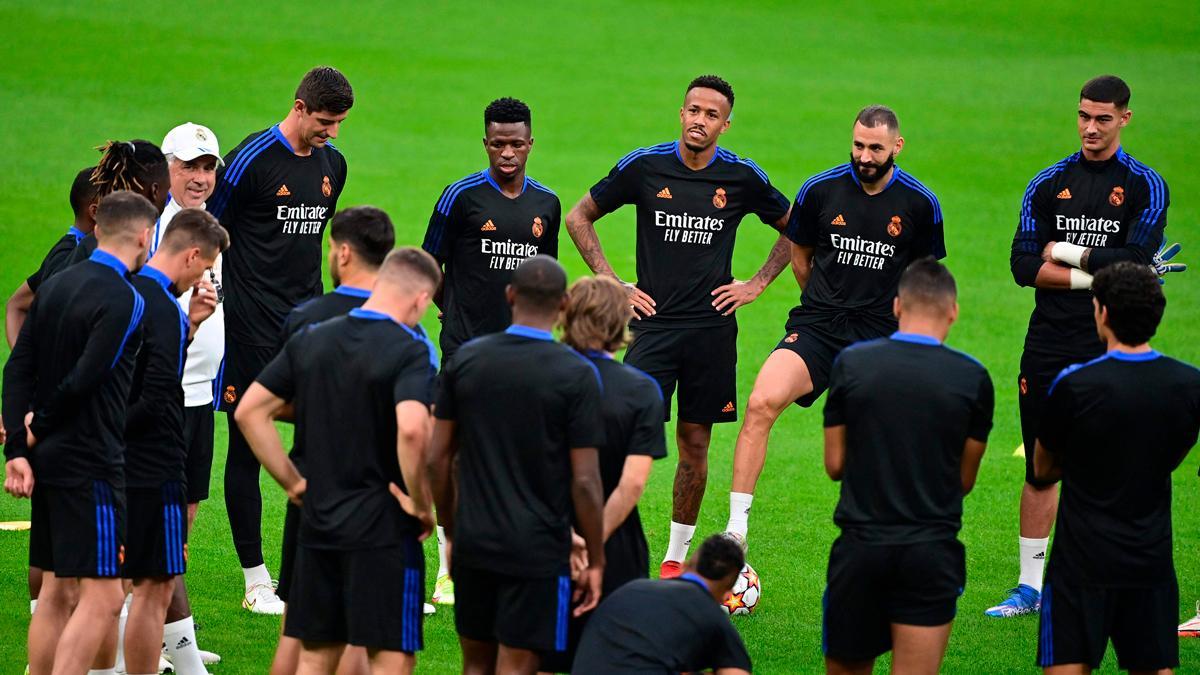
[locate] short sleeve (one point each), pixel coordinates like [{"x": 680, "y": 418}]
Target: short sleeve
[
  {"x": 835, "y": 400},
  {"x": 444, "y": 225},
  {"x": 584, "y": 424},
  {"x": 982, "y": 409},
  {"x": 414, "y": 379},
  {"x": 619, "y": 187},
  {"x": 803, "y": 226},
  {"x": 279, "y": 377},
  {"x": 649, "y": 431},
  {"x": 766, "y": 202},
  {"x": 728, "y": 650}
]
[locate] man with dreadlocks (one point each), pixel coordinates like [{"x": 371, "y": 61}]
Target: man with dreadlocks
[{"x": 274, "y": 195}]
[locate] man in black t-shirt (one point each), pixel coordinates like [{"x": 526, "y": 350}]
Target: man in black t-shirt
[
  {"x": 853, "y": 229},
  {"x": 155, "y": 452},
  {"x": 66, "y": 387},
  {"x": 360, "y": 387},
  {"x": 520, "y": 415},
  {"x": 1094, "y": 208},
  {"x": 906, "y": 424},
  {"x": 83, "y": 205},
  {"x": 274, "y": 195},
  {"x": 690, "y": 196},
  {"x": 594, "y": 324},
  {"x": 670, "y": 626},
  {"x": 360, "y": 238},
  {"x": 1113, "y": 430}
]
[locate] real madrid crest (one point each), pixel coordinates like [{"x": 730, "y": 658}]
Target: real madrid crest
[
  {"x": 538, "y": 228},
  {"x": 200, "y": 135},
  {"x": 895, "y": 227},
  {"x": 326, "y": 188},
  {"x": 719, "y": 199},
  {"x": 1117, "y": 196}
]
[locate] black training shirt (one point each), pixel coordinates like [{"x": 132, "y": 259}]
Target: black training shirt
[
  {"x": 1117, "y": 207},
  {"x": 660, "y": 626},
  {"x": 345, "y": 377},
  {"x": 1119, "y": 425},
  {"x": 275, "y": 205},
  {"x": 56, "y": 258},
  {"x": 686, "y": 225},
  {"x": 909, "y": 404},
  {"x": 72, "y": 366},
  {"x": 155, "y": 451},
  {"x": 862, "y": 243},
  {"x": 480, "y": 236},
  {"x": 521, "y": 402}
]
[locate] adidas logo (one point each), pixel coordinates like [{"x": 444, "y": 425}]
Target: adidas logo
[
  {"x": 1065, "y": 194},
  {"x": 838, "y": 221},
  {"x": 1039, "y": 556},
  {"x": 283, "y": 191},
  {"x": 489, "y": 226},
  {"x": 664, "y": 193},
  {"x": 728, "y": 408},
  {"x": 183, "y": 642}
]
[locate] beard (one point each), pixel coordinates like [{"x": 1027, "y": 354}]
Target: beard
[{"x": 869, "y": 172}]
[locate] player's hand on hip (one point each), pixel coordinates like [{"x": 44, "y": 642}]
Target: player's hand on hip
[
  {"x": 425, "y": 516},
  {"x": 587, "y": 589},
  {"x": 18, "y": 477},
  {"x": 295, "y": 493},
  {"x": 1161, "y": 263},
  {"x": 203, "y": 302},
  {"x": 639, "y": 301},
  {"x": 735, "y": 294},
  {"x": 30, "y": 439}
]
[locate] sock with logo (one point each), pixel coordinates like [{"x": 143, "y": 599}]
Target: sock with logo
[
  {"x": 443, "y": 569},
  {"x": 180, "y": 640},
  {"x": 256, "y": 575},
  {"x": 739, "y": 513},
  {"x": 1033, "y": 560},
  {"x": 681, "y": 539}
]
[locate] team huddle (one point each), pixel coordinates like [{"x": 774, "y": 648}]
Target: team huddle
[{"x": 190, "y": 283}]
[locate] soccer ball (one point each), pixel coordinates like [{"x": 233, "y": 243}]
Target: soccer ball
[{"x": 747, "y": 590}]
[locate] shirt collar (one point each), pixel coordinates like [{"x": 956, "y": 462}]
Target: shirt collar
[
  {"x": 1134, "y": 356},
  {"x": 370, "y": 315},
  {"x": 417, "y": 333},
  {"x": 353, "y": 291},
  {"x": 282, "y": 139},
  {"x": 109, "y": 260},
  {"x": 157, "y": 275},
  {"x": 679, "y": 156},
  {"x": 76, "y": 232},
  {"x": 487, "y": 173},
  {"x": 895, "y": 175},
  {"x": 597, "y": 354},
  {"x": 529, "y": 332},
  {"x": 696, "y": 579},
  {"x": 915, "y": 338}
]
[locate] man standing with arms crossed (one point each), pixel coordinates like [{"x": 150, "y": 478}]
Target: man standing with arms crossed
[
  {"x": 1094, "y": 208},
  {"x": 690, "y": 196},
  {"x": 276, "y": 192}
]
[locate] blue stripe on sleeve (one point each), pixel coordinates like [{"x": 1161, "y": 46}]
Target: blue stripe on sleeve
[
  {"x": 236, "y": 168},
  {"x": 538, "y": 186},
  {"x": 660, "y": 149},
  {"x": 1027, "y": 230},
  {"x": 135, "y": 318},
  {"x": 911, "y": 181},
  {"x": 830, "y": 174},
  {"x": 1152, "y": 214}
]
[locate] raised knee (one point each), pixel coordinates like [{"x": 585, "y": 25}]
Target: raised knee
[{"x": 763, "y": 407}]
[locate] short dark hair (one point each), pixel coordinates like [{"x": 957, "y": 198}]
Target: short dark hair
[
  {"x": 409, "y": 264},
  {"x": 1106, "y": 89},
  {"x": 541, "y": 282},
  {"x": 715, "y": 83},
  {"x": 878, "y": 115},
  {"x": 927, "y": 282},
  {"x": 124, "y": 213},
  {"x": 195, "y": 227},
  {"x": 325, "y": 89},
  {"x": 367, "y": 230},
  {"x": 83, "y": 192},
  {"x": 1134, "y": 300},
  {"x": 719, "y": 558},
  {"x": 129, "y": 165},
  {"x": 507, "y": 110}
]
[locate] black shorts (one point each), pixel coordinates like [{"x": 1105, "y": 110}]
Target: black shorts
[
  {"x": 1077, "y": 622},
  {"x": 701, "y": 361},
  {"x": 368, "y": 598},
  {"x": 78, "y": 531},
  {"x": 513, "y": 611},
  {"x": 243, "y": 363},
  {"x": 870, "y": 587},
  {"x": 156, "y": 537},
  {"x": 287, "y": 557},
  {"x": 818, "y": 339},
  {"x": 198, "y": 440},
  {"x": 1038, "y": 372}
]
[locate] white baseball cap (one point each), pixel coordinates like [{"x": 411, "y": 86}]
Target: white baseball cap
[{"x": 189, "y": 141}]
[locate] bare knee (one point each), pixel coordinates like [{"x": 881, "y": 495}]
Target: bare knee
[
  {"x": 763, "y": 407},
  {"x": 59, "y": 595},
  {"x": 693, "y": 440}
]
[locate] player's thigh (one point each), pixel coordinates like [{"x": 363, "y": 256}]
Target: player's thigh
[
  {"x": 854, "y": 627},
  {"x": 532, "y": 614},
  {"x": 315, "y": 610},
  {"x": 924, "y": 582},
  {"x": 816, "y": 348},
  {"x": 1144, "y": 631},
  {"x": 384, "y": 594},
  {"x": 708, "y": 374},
  {"x": 782, "y": 379},
  {"x": 657, "y": 353},
  {"x": 476, "y": 600},
  {"x": 198, "y": 433},
  {"x": 1073, "y": 624},
  {"x": 1033, "y": 382},
  {"x": 87, "y": 529},
  {"x": 391, "y": 662},
  {"x": 918, "y": 649},
  {"x": 287, "y": 555},
  {"x": 156, "y": 532}
]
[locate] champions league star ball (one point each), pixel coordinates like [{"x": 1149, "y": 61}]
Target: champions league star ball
[{"x": 747, "y": 590}]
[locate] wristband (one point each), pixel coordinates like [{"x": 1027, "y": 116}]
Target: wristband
[
  {"x": 1070, "y": 254},
  {"x": 1080, "y": 280}
]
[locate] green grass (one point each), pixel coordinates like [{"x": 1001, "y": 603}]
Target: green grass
[{"x": 986, "y": 100}]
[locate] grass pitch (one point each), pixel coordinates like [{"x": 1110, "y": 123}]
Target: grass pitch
[{"x": 985, "y": 97}]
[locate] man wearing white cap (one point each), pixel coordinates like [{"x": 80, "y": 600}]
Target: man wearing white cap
[{"x": 193, "y": 156}]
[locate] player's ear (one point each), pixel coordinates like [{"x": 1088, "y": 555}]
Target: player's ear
[
  {"x": 298, "y": 107},
  {"x": 953, "y": 312},
  {"x": 91, "y": 210},
  {"x": 510, "y": 295},
  {"x": 899, "y": 145},
  {"x": 896, "y": 306},
  {"x": 1125, "y": 116}
]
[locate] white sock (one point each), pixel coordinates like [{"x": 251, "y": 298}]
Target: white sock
[
  {"x": 32, "y": 606},
  {"x": 256, "y": 575},
  {"x": 1033, "y": 561},
  {"x": 103, "y": 671},
  {"x": 443, "y": 569},
  {"x": 739, "y": 513},
  {"x": 180, "y": 640},
  {"x": 681, "y": 539},
  {"x": 121, "y": 633}
]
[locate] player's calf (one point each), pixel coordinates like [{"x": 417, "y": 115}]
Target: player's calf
[{"x": 144, "y": 628}]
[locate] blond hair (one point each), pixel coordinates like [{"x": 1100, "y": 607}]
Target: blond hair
[{"x": 597, "y": 315}]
